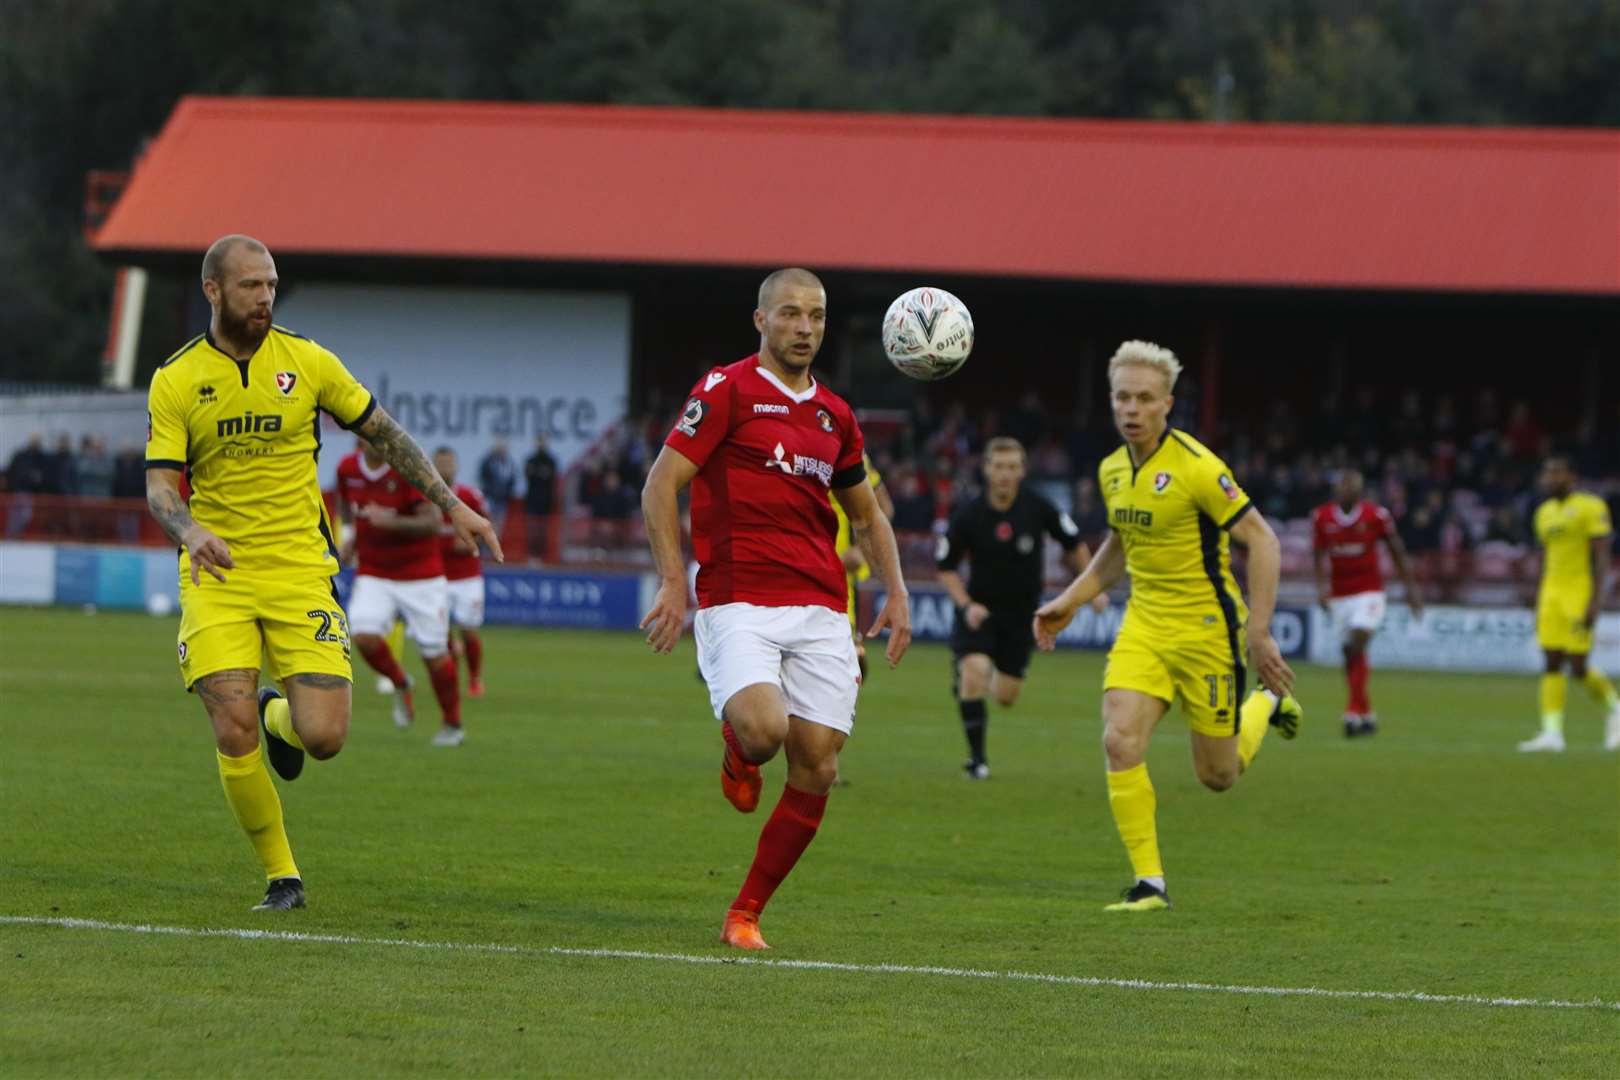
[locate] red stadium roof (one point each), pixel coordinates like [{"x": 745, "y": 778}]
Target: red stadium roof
[{"x": 1338, "y": 207}]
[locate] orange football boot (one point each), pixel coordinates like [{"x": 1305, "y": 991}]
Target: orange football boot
[
  {"x": 475, "y": 687},
  {"x": 741, "y": 930},
  {"x": 740, "y": 781}
]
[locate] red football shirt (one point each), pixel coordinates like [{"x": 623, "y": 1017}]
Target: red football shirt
[
  {"x": 762, "y": 525},
  {"x": 383, "y": 553},
  {"x": 457, "y": 564},
  {"x": 1351, "y": 541}
]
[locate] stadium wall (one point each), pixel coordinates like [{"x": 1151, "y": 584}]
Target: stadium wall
[{"x": 1446, "y": 638}]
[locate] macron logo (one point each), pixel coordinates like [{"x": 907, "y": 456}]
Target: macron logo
[
  {"x": 783, "y": 409},
  {"x": 715, "y": 379}
]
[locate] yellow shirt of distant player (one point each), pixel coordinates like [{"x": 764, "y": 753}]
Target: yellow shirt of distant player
[
  {"x": 250, "y": 432},
  {"x": 1566, "y": 528},
  {"x": 1172, "y": 513},
  {"x": 844, "y": 539}
]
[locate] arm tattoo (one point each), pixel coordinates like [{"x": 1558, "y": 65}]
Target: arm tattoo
[
  {"x": 319, "y": 682},
  {"x": 170, "y": 512},
  {"x": 395, "y": 444}
]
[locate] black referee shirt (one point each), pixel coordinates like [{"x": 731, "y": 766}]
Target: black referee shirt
[{"x": 1004, "y": 548}]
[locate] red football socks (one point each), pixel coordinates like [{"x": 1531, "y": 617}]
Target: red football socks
[
  {"x": 791, "y": 827},
  {"x": 1355, "y": 673},
  {"x": 473, "y": 645},
  {"x": 442, "y": 670},
  {"x": 381, "y": 658}
]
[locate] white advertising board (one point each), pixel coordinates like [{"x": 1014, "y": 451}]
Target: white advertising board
[
  {"x": 1462, "y": 639},
  {"x": 464, "y": 367}
]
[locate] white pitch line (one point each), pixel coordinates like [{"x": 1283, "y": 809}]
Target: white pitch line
[{"x": 814, "y": 965}]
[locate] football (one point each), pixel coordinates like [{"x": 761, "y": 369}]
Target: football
[{"x": 927, "y": 333}]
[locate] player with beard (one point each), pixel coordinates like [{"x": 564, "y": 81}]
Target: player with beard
[
  {"x": 763, "y": 443},
  {"x": 236, "y": 412},
  {"x": 1001, "y": 535}
]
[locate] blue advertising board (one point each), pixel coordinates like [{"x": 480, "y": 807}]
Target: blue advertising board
[{"x": 518, "y": 597}]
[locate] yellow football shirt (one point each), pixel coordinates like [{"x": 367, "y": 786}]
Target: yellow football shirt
[
  {"x": 1566, "y": 528},
  {"x": 249, "y": 432},
  {"x": 843, "y": 539},
  {"x": 1172, "y": 513}
]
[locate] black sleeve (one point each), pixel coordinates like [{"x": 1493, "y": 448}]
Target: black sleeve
[
  {"x": 954, "y": 544},
  {"x": 1060, "y": 526}
]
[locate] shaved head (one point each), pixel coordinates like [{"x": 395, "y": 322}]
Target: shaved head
[
  {"x": 785, "y": 278},
  {"x": 219, "y": 253}
]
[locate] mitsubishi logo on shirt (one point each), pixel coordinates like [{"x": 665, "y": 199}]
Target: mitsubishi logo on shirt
[
  {"x": 801, "y": 466},
  {"x": 780, "y": 461}
]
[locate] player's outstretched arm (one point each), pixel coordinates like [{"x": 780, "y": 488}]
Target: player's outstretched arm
[
  {"x": 207, "y": 551},
  {"x": 1105, "y": 568},
  {"x": 873, "y": 534},
  {"x": 401, "y": 451},
  {"x": 1265, "y": 568},
  {"x": 671, "y": 472}
]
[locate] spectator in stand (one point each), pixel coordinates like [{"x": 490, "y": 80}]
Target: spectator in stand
[
  {"x": 539, "y": 495},
  {"x": 1409, "y": 426},
  {"x": 129, "y": 474},
  {"x": 1364, "y": 427},
  {"x": 611, "y": 509},
  {"x": 1505, "y": 526},
  {"x": 1423, "y": 529},
  {"x": 1522, "y": 436},
  {"x": 61, "y": 468},
  {"x": 913, "y": 505},
  {"x": 26, "y": 472},
  {"x": 1027, "y": 423},
  {"x": 497, "y": 479},
  {"x": 1088, "y": 513},
  {"x": 95, "y": 469}
]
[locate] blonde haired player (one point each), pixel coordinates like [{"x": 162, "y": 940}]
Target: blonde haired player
[
  {"x": 1573, "y": 528},
  {"x": 1172, "y": 506}
]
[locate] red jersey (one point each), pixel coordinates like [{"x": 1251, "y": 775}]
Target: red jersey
[
  {"x": 1351, "y": 541},
  {"x": 458, "y": 565},
  {"x": 762, "y": 525},
  {"x": 383, "y": 553}
]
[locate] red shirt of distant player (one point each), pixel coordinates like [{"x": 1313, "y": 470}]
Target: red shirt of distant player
[
  {"x": 762, "y": 526},
  {"x": 458, "y": 566},
  {"x": 383, "y": 553},
  {"x": 1351, "y": 541}
]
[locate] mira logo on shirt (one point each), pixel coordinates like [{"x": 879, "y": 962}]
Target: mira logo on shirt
[{"x": 249, "y": 424}]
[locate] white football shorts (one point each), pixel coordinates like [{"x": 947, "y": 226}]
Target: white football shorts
[
  {"x": 1359, "y": 611},
  {"x": 805, "y": 651},
  {"x": 424, "y": 605},
  {"x": 467, "y": 602}
]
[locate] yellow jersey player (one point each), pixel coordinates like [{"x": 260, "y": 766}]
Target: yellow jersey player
[
  {"x": 856, "y": 568},
  {"x": 236, "y": 412},
  {"x": 1172, "y": 508},
  {"x": 1573, "y": 530}
]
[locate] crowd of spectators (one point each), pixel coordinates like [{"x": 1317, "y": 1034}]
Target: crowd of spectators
[{"x": 1455, "y": 476}]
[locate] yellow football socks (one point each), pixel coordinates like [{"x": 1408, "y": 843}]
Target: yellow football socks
[
  {"x": 1553, "y": 689},
  {"x": 1255, "y": 722},
  {"x": 253, "y": 800},
  {"x": 396, "y": 640},
  {"x": 278, "y": 722},
  {"x": 1599, "y": 686},
  {"x": 1130, "y": 797}
]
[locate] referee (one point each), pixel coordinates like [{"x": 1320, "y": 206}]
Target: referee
[{"x": 999, "y": 533}]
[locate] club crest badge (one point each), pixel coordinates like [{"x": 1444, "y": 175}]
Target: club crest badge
[
  {"x": 1227, "y": 486},
  {"x": 285, "y": 381},
  {"x": 1160, "y": 482},
  {"x": 824, "y": 418},
  {"x": 691, "y": 417}
]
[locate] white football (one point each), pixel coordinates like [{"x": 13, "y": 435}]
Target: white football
[{"x": 927, "y": 333}]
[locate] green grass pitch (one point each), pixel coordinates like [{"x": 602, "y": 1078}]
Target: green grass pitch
[{"x": 584, "y": 813}]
